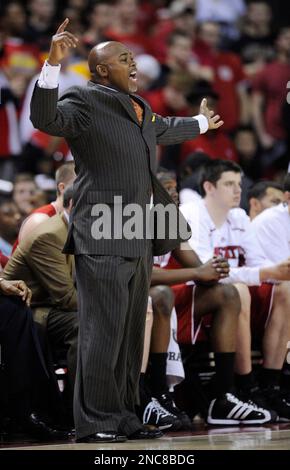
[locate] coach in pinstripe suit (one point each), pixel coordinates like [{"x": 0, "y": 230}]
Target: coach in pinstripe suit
[{"x": 112, "y": 134}]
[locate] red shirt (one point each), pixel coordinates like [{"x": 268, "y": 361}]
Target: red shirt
[
  {"x": 49, "y": 210},
  {"x": 138, "y": 43},
  {"x": 217, "y": 146},
  {"x": 272, "y": 83},
  {"x": 156, "y": 99},
  {"x": 3, "y": 260},
  {"x": 228, "y": 73}
]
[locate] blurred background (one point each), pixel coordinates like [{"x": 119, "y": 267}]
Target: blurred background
[{"x": 234, "y": 52}]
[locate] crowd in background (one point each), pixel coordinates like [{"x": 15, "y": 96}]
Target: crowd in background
[{"x": 235, "y": 53}]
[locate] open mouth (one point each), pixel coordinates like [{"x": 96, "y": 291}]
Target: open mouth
[{"x": 133, "y": 75}]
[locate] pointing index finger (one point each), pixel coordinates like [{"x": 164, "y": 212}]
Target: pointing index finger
[{"x": 63, "y": 25}]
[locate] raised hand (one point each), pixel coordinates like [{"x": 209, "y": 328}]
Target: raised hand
[
  {"x": 214, "y": 121},
  {"x": 61, "y": 42}
]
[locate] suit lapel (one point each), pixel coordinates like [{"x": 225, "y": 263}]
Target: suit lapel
[{"x": 126, "y": 103}]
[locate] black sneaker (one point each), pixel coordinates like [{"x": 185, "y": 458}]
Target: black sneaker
[
  {"x": 229, "y": 410},
  {"x": 279, "y": 402},
  {"x": 255, "y": 396},
  {"x": 167, "y": 402},
  {"x": 155, "y": 414}
]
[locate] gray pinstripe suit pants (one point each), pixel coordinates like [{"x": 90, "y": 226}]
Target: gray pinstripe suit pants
[{"x": 112, "y": 303}]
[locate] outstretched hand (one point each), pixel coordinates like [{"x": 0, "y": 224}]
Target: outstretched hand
[
  {"x": 214, "y": 120},
  {"x": 61, "y": 42}
]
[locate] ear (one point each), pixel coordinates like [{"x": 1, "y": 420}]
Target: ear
[
  {"x": 61, "y": 188},
  {"x": 287, "y": 197},
  {"x": 255, "y": 204},
  {"x": 102, "y": 70},
  {"x": 208, "y": 187}
]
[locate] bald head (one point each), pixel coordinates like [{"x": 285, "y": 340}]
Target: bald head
[
  {"x": 111, "y": 63},
  {"x": 101, "y": 53}
]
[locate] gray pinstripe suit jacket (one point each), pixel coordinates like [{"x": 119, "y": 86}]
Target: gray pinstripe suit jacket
[{"x": 113, "y": 154}]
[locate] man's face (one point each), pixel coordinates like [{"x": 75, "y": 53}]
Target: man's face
[
  {"x": 273, "y": 197},
  {"x": 122, "y": 69},
  {"x": 181, "y": 50},
  {"x": 9, "y": 220},
  {"x": 246, "y": 144},
  {"x": 210, "y": 34},
  {"x": 101, "y": 17},
  {"x": 227, "y": 191},
  {"x": 23, "y": 195},
  {"x": 283, "y": 41}
]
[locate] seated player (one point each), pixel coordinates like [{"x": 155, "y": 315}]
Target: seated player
[{"x": 221, "y": 228}]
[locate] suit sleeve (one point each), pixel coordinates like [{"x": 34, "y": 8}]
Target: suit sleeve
[
  {"x": 67, "y": 117},
  {"x": 175, "y": 130},
  {"x": 52, "y": 271}
]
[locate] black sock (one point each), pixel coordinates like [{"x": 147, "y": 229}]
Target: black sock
[
  {"x": 157, "y": 373},
  {"x": 245, "y": 382},
  {"x": 144, "y": 393},
  {"x": 224, "y": 367},
  {"x": 270, "y": 377}
]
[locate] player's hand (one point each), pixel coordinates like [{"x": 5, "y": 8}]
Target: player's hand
[
  {"x": 282, "y": 271},
  {"x": 213, "y": 270},
  {"x": 214, "y": 120},
  {"x": 61, "y": 42},
  {"x": 18, "y": 288}
]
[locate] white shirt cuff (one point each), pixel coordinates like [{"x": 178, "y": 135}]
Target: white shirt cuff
[
  {"x": 49, "y": 76},
  {"x": 202, "y": 122}
]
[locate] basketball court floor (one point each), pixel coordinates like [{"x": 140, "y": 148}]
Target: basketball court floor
[{"x": 268, "y": 437}]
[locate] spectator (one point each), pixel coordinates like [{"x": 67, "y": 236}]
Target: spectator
[
  {"x": 148, "y": 72},
  {"x": 249, "y": 153},
  {"x": 100, "y": 18},
  {"x": 9, "y": 225},
  {"x": 49, "y": 273},
  {"x": 27, "y": 379},
  {"x": 9, "y": 136},
  {"x": 229, "y": 78},
  {"x": 224, "y": 12},
  {"x": 180, "y": 18},
  {"x": 217, "y": 145},
  {"x": 269, "y": 95},
  {"x": 125, "y": 28},
  {"x": 256, "y": 43},
  {"x": 40, "y": 22},
  {"x": 170, "y": 100},
  {"x": 24, "y": 192},
  {"x": 64, "y": 177}
]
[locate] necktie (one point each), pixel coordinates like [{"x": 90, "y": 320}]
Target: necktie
[{"x": 138, "y": 110}]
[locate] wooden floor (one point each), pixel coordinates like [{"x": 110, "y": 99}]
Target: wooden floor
[{"x": 268, "y": 437}]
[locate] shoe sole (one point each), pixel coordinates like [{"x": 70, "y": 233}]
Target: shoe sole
[
  {"x": 162, "y": 427},
  {"x": 230, "y": 422}
]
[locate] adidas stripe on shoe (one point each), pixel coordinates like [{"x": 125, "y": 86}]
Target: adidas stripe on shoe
[{"x": 229, "y": 410}]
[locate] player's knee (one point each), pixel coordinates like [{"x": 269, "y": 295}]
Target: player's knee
[
  {"x": 282, "y": 294},
  {"x": 229, "y": 297},
  {"x": 162, "y": 300}
]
